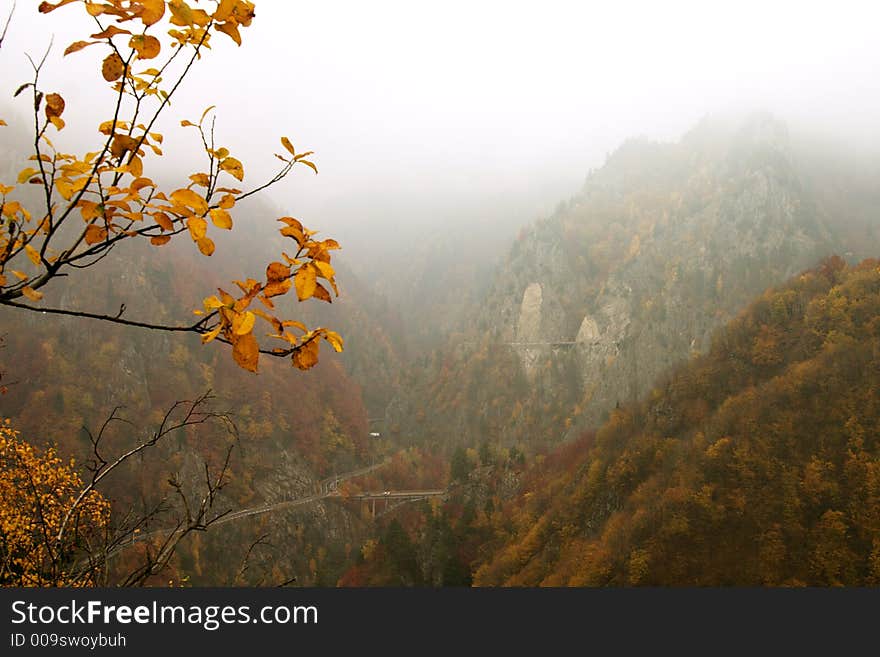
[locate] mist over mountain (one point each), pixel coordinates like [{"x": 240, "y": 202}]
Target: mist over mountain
[{"x": 664, "y": 243}]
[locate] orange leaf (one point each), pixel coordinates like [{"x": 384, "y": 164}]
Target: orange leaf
[
  {"x": 277, "y": 272},
  {"x": 54, "y": 105},
  {"x": 164, "y": 221},
  {"x": 322, "y": 294},
  {"x": 78, "y": 45},
  {"x": 31, "y": 293},
  {"x": 159, "y": 240},
  {"x": 246, "y": 352},
  {"x": 95, "y": 234},
  {"x": 153, "y": 10},
  {"x": 111, "y": 31},
  {"x": 206, "y": 246},
  {"x": 276, "y": 289},
  {"x": 306, "y": 356},
  {"x": 147, "y": 46},
  {"x": 286, "y": 143}
]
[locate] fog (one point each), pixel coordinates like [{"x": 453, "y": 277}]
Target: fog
[{"x": 462, "y": 112}]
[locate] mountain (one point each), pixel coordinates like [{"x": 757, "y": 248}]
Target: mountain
[
  {"x": 757, "y": 463},
  {"x": 663, "y": 244}
]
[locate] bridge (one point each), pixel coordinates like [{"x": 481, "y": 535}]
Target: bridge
[
  {"x": 327, "y": 488},
  {"x": 397, "y": 497},
  {"x": 541, "y": 344}
]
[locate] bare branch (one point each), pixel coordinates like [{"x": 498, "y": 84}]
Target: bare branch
[{"x": 6, "y": 24}]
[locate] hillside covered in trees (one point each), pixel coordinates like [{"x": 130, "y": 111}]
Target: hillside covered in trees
[{"x": 757, "y": 463}]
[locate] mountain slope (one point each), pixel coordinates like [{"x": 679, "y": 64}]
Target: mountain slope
[
  {"x": 664, "y": 244},
  {"x": 758, "y": 463}
]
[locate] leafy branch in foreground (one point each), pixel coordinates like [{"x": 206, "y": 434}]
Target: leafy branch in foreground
[
  {"x": 57, "y": 530},
  {"x": 91, "y": 203}
]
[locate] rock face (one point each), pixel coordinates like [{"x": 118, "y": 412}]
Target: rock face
[
  {"x": 664, "y": 244},
  {"x": 528, "y": 328}
]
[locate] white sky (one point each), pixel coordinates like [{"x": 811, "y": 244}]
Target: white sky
[{"x": 417, "y": 108}]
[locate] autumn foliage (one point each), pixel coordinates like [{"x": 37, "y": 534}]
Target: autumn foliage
[
  {"x": 758, "y": 463},
  {"x": 93, "y": 202},
  {"x": 39, "y": 540}
]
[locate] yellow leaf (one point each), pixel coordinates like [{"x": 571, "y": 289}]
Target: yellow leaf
[
  {"x": 190, "y": 199},
  {"x": 212, "y": 302},
  {"x": 325, "y": 270},
  {"x": 65, "y": 188},
  {"x": 32, "y": 253},
  {"x": 206, "y": 245},
  {"x": 231, "y": 29},
  {"x": 227, "y": 201},
  {"x": 305, "y": 282},
  {"x": 57, "y": 121},
  {"x": 246, "y": 352},
  {"x": 181, "y": 13},
  {"x": 334, "y": 339},
  {"x": 233, "y": 167},
  {"x": 153, "y": 10},
  {"x": 122, "y": 144},
  {"x": 2, "y": 280},
  {"x": 200, "y": 179},
  {"x": 136, "y": 166},
  {"x": 95, "y": 234},
  {"x": 5, "y": 189},
  {"x": 113, "y": 67},
  {"x": 25, "y": 174},
  {"x": 205, "y": 113},
  {"x": 311, "y": 165},
  {"x": 90, "y": 210},
  {"x": 198, "y": 227},
  {"x": 243, "y": 323},
  {"x": 224, "y": 10},
  {"x": 19, "y": 275},
  {"x": 210, "y": 335},
  {"x": 286, "y": 143},
  {"x": 221, "y": 218},
  {"x": 31, "y": 293},
  {"x": 147, "y": 46},
  {"x": 95, "y": 9},
  {"x": 306, "y": 355},
  {"x": 139, "y": 183}
]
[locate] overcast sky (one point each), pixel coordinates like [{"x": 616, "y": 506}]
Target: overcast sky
[{"x": 432, "y": 107}]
